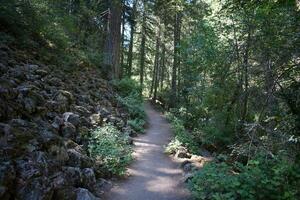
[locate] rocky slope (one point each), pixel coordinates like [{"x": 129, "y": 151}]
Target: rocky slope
[{"x": 46, "y": 115}]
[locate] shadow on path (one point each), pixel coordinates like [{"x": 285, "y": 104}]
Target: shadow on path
[{"x": 153, "y": 175}]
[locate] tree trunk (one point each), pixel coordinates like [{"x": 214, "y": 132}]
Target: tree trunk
[
  {"x": 162, "y": 75},
  {"x": 246, "y": 77},
  {"x": 112, "y": 41},
  {"x": 123, "y": 39},
  {"x": 176, "y": 60},
  {"x": 143, "y": 43},
  {"x": 132, "y": 27},
  {"x": 156, "y": 64}
]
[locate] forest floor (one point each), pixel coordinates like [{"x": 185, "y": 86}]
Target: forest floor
[{"x": 153, "y": 175}]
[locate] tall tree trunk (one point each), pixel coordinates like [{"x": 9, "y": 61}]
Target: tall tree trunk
[
  {"x": 176, "y": 60},
  {"x": 156, "y": 64},
  {"x": 123, "y": 39},
  {"x": 143, "y": 44},
  {"x": 113, "y": 40},
  {"x": 162, "y": 75},
  {"x": 132, "y": 29},
  {"x": 246, "y": 77}
]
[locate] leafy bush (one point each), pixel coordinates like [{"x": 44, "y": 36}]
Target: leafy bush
[
  {"x": 173, "y": 146},
  {"x": 111, "y": 148},
  {"x": 131, "y": 98},
  {"x": 182, "y": 135},
  {"x": 127, "y": 87},
  {"x": 137, "y": 125},
  {"x": 261, "y": 179},
  {"x": 133, "y": 105}
]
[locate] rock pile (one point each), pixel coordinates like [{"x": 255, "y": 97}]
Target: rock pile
[{"x": 45, "y": 116}]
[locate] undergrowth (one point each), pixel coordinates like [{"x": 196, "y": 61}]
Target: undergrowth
[
  {"x": 110, "y": 146},
  {"x": 262, "y": 178},
  {"x": 130, "y": 96}
]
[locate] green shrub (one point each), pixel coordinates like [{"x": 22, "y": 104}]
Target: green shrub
[
  {"x": 173, "y": 146},
  {"x": 131, "y": 98},
  {"x": 137, "y": 125},
  {"x": 260, "y": 179},
  {"x": 133, "y": 105},
  {"x": 127, "y": 87},
  {"x": 111, "y": 148},
  {"x": 182, "y": 135}
]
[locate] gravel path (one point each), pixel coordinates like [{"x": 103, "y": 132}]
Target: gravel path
[{"x": 153, "y": 175}]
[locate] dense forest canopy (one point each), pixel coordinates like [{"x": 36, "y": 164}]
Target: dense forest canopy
[{"x": 227, "y": 71}]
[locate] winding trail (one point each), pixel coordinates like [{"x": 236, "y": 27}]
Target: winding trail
[{"x": 153, "y": 175}]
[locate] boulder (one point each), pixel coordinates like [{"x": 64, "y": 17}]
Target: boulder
[
  {"x": 38, "y": 188},
  {"x": 65, "y": 193},
  {"x": 186, "y": 166},
  {"x": 103, "y": 186},
  {"x": 41, "y": 72},
  {"x": 64, "y": 97},
  {"x": 72, "y": 118},
  {"x": 3, "y": 68},
  {"x": 23, "y": 130},
  {"x": 77, "y": 159},
  {"x": 68, "y": 130},
  {"x": 58, "y": 153},
  {"x": 84, "y": 194},
  {"x": 30, "y": 105},
  {"x": 27, "y": 169},
  {"x": 7, "y": 176},
  {"x": 182, "y": 153},
  {"x": 57, "y": 123},
  {"x": 88, "y": 178},
  {"x": 4, "y": 193},
  {"x": 81, "y": 110},
  {"x": 55, "y": 106},
  {"x": 72, "y": 175},
  {"x": 5, "y": 134},
  {"x": 95, "y": 119}
]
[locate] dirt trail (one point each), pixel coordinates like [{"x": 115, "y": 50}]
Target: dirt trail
[{"x": 153, "y": 175}]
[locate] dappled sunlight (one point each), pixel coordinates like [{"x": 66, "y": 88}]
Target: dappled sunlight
[{"x": 153, "y": 175}]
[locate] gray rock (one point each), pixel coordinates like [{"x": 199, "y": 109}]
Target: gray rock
[
  {"x": 4, "y": 193},
  {"x": 57, "y": 123},
  {"x": 81, "y": 110},
  {"x": 38, "y": 188},
  {"x": 30, "y": 105},
  {"x": 64, "y": 97},
  {"x": 23, "y": 130},
  {"x": 72, "y": 118},
  {"x": 95, "y": 119},
  {"x": 58, "y": 153},
  {"x": 84, "y": 194},
  {"x": 54, "y": 82},
  {"x": 27, "y": 170},
  {"x": 88, "y": 178},
  {"x": 187, "y": 166},
  {"x": 72, "y": 175},
  {"x": 55, "y": 106},
  {"x": 182, "y": 153},
  {"x": 65, "y": 193},
  {"x": 77, "y": 159},
  {"x": 41, "y": 72},
  {"x": 69, "y": 130},
  {"x": 7, "y": 174},
  {"x": 5, "y": 134},
  {"x": 3, "y": 69}
]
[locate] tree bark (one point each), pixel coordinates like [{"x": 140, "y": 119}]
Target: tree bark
[
  {"x": 156, "y": 64},
  {"x": 143, "y": 44},
  {"x": 132, "y": 29},
  {"x": 176, "y": 59},
  {"x": 123, "y": 39},
  {"x": 112, "y": 41}
]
